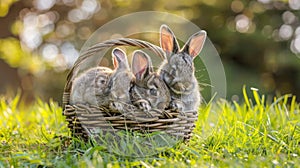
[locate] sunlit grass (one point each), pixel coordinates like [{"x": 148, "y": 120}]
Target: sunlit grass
[{"x": 256, "y": 133}]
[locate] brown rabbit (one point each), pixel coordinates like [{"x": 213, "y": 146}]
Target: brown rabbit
[
  {"x": 102, "y": 86},
  {"x": 148, "y": 91},
  {"x": 178, "y": 70}
]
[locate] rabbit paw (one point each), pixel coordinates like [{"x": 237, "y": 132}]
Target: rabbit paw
[
  {"x": 177, "y": 105},
  {"x": 116, "y": 106},
  {"x": 142, "y": 104}
]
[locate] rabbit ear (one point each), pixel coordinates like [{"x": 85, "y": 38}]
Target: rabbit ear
[
  {"x": 168, "y": 40},
  {"x": 119, "y": 58},
  {"x": 141, "y": 65},
  {"x": 195, "y": 43}
]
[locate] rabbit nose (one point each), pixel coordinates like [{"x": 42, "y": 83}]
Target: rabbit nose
[
  {"x": 183, "y": 87},
  {"x": 116, "y": 106},
  {"x": 189, "y": 86},
  {"x": 161, "y": 105},
  {"x": 117, "y": 96},
  {"x": 180, "y": 86},
  {"x": 122, "y": 96}
]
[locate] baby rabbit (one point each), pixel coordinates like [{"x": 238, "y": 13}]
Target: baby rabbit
[
  {"x": 102, "y": 86},
  {"x": 178, "y": 70},
  {"x": 148, "y": 91}
]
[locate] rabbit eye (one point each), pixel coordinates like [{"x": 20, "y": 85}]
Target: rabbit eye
[
  {"x": 153, "y": 92},
  {"x": 173, "y": 72},
  {"x": 102, "y": 81}
]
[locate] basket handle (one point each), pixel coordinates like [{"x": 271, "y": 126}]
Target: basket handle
[{"x": 91, "y": 51}]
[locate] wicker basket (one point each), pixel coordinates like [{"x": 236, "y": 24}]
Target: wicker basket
[{"x": 85, "y": 120}]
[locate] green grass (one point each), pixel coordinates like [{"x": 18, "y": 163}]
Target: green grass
[{"x": 256, "y": 133}]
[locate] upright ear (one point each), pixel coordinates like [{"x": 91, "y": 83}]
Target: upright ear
[
  {"x": 141, "y": 65},
  {"x": 195, "y": 43},
  {"x": 168, "y": 40},
  {"x": 119, "y": 58}
]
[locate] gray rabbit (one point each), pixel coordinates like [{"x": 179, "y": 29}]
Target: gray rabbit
[
  {"x": 102, "y": 86},
  {"x": 178, "y": 70},
  {"x": 149, "y": 91}
]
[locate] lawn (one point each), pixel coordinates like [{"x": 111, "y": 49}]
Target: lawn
[{"x": 253, "y": 133}]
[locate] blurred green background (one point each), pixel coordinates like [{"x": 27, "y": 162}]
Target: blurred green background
[{"x": 258, "y": 41}]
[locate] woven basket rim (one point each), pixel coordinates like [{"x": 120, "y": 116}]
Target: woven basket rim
[{"x": 81, "y": 121}]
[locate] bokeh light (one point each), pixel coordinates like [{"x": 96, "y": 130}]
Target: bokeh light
[
  {"x": 64, "y": 29},
  {"x": 265, "y": 1},
  {"x": 76, "y": 15},
  {"x": 288, "y": 17},
  {"x": 68, "y": 2},
  {"x": 242, "y": 23},
  {"x": 44, "y": 22},
  {"x": 294, "y": 4},
  {"x": 267, "y": 31},
  {"x": 237, "y": 6},
  {"x": 43, "y": 4},
  {"x": 90, "y": 6},
  {"x": 84, "y": 11},
  {"x": 285, "y": 32},
  {"x": 70, "y": 54},
  {"x": 295, "y": 45},
  {"x": 49, "y": 52}
]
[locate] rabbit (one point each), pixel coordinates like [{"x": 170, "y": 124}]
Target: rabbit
[
  {"x": 148, "y": 91},
  {"x": 178, "y": 71},
  {"x": 90, "y": 85},
  {"x": 102, "y": 86}
]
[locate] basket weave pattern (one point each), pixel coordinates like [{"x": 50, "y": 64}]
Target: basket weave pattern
[{"x": 84, "y": 120}]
